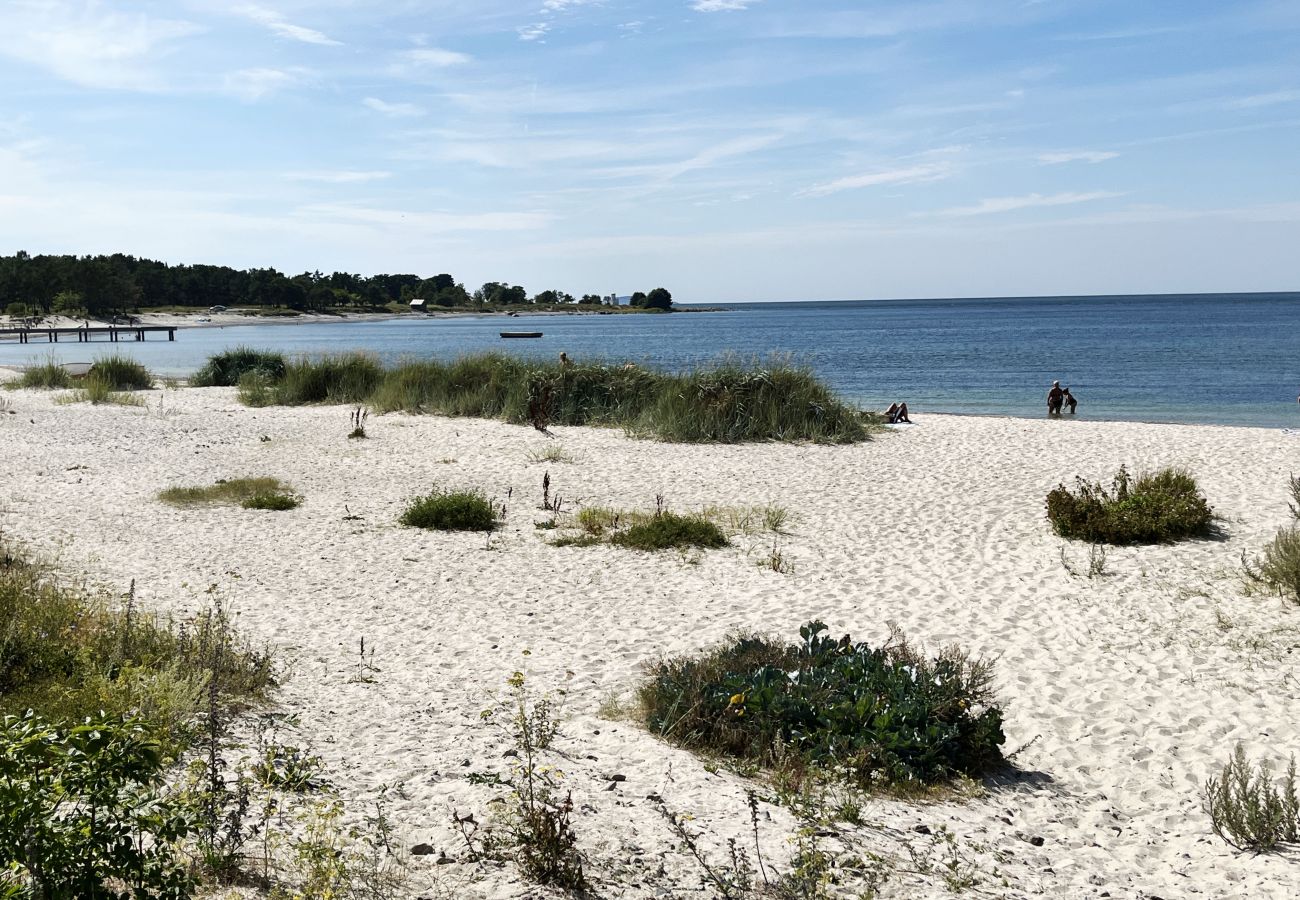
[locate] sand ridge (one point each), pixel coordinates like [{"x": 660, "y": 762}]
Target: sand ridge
[{"x": 1129, "y": 689}]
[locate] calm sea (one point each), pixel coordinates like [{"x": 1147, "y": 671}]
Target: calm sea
[{"x": 1223, "y": 358}]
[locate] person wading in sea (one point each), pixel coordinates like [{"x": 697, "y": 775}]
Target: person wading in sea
[{"x": 1055, "y": 397}]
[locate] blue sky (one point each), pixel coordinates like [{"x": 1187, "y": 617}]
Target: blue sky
[{"x": 726, "y": 149}]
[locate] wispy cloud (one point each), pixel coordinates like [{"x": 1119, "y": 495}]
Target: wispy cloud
[
  {"x": 1257, "y": 101},
  {"x": 721, "y": 5},
  {"x": 1089, "y": 156},
  {"x": 1028, "y": 201},
  {"x": 282, "y": 27},
  {"x": 339, "y": 177},
  {"x": 254, "y": 84},
  {"x": 534, "y": 32},
  {"x": 908, "y": 175},
  {"x": 394, "y": 110},
  {"x": 90, "y": 46}
]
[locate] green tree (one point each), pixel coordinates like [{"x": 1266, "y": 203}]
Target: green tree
[
  {"x": 638, "y": 299},
  {"x": 659, "y": 298}
]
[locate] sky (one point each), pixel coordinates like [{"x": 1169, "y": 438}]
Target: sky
[{"x": 729, "y": 150}]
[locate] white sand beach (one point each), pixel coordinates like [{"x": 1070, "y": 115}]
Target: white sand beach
[{"x": 1126, "y": 690}]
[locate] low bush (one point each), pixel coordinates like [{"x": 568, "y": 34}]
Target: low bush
[
  {"x": 235, "y": 490},
  {"x": 667, "y": 530},
  {"x": 1149, "y": 509},
  {"x": 1248, "y": 810},
  {"x": 885, "y": 715},
  {"x": 121, "y": 373},
  {"x": 451, "y": 511},
  {"x": 1293, "y": 487},
  {"x": 227, "y": 368},
  {"x": 49, "y": 374},
  {"x": 275, "y": 501},
  {"x": 1279, "y": 567}
]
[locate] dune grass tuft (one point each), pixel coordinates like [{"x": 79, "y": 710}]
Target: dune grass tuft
[
  {"x": 49, "y": 374},
  {"x": 227, "y": 368},
  {"x": 667, "y": 531},
  {"x": 235, "y": 490},
  {"x": 121, "y": 373},
  {"x": 1279, "y": 567},
  {"x": 885, "y": 716},
  {"x": 96, "y": 391},
  {"x": 451, "y": 511},
  {"x": 727, "y": 402},
  {"x": 1155, "y": 508}
]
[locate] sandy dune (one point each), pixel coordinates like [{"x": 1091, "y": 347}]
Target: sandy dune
[{"x": 1129, "y": 689}]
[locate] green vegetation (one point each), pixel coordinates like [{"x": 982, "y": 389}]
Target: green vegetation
[
  {"x": 1279, "y": 568},
  {"x": 1151, "y": 509},
  {"x": 1293, "y": 487},
  {"x": 251, "y": 493},
  {"x": 451, "y": 511},
  {"x": 668, "y": 530},
  {"x": 121, "y": 373},
  {"x": 97, "y": 390},
  {"x": 729, "y": 402},
  {"x": 878, "y": 716},
  {"x": 1246, "y": 808},
  {"x": 226, "y": 369},
  {"x": 49, "y": 374}
]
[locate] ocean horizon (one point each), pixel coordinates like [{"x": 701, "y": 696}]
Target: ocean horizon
[{"x": 1218, "y": 358}]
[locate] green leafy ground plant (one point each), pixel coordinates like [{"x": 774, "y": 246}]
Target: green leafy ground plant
[{"x": 1163, "y": 506}]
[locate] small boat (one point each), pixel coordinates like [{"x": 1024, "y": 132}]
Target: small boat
[{"x": 521, "y": 334}]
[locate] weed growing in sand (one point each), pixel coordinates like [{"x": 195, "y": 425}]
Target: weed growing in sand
[
  {"x": 660, "y": 530},
  {"x": 252, "y": 493},
  {"x": 777, "y": 561},
  {"x": 1293, "y": 487},
  {"x": 551, "y": 453},
  {"x": 1248, "y": 810},
  {"x": 541, "y": 825},
  {"x": 359, "y": 416},
  {"x": 98, "y": 391},
  {"x": 1164, "y": 506},
  {"x": 885, "y": 715},
  {"x": 451, "y": 511},
  {"x": 1279, "y": 567},
  {"x": 1096, "y": 568}
]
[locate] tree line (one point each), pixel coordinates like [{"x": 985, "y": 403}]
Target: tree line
[{"x": 116, "y": 284}]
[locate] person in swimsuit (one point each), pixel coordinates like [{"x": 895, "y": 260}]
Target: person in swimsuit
[
  {"x": 1055, "y": 397},
  {"x": 896, "y": 413},
  {"x": 1068, "y": 399}
]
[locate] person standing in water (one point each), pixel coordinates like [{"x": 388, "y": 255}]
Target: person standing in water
[{"x": 1055, "y": 398}]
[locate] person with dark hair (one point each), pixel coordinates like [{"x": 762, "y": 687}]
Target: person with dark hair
[
  {"x": 1055, "y": 397},
  {"x": 1068, "y": 399},
  {"x": 896, "y": 413}
]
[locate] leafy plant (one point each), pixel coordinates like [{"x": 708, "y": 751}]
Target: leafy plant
[
  {"x": 81, "y": 813},
  {"x": 1248, "y": 810},
  {"x": 234, "y": 490},
  {"x": 276, "y": 501},
  {"x": 876, "y": 715},
  {"x": 1164, "y": 506},
  {"x": 669, "y": 530},
  {"x": 451, "y": 511}
]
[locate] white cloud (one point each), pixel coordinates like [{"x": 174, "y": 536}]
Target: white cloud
[
  {"x": 533, "y": 32},
  {"x": 561, "y": 5},
  {"x": 277, "y": 24},
  {"x": 254, "y": 84},
  {"x": 1028, "y": 201},
  {"x": 1090, "y": 156},
  {"x": 435, "y": 57},
  {"x": 339, "y": 177},
  {"x": 1257, "y": 101},
  {"x": 721, "y": 5},
  {"x": 426, "y": 221},
  {"x": 88, "y": 45},
  {"x": 394, "y": 110},
  {"x": 909, "y": 175}
]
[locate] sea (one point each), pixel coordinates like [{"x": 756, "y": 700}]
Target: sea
[{"x": 1230, "y": 359}]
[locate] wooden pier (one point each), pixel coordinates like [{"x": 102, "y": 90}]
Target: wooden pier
[{"x": 110, "y": 333}]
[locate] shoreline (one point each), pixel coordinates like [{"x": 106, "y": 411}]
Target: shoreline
[{"x": 1097, "y": 675}]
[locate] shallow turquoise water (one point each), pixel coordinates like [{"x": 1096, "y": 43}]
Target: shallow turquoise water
[{"x": 1231, "y": 359}]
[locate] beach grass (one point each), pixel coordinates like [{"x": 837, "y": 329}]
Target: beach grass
[
  {"x": 451, "y": 511},
  {"x": 727, "y": 402},
  {"x": 885, "y": 716},
  {"x": 1278, "y": 568},
  {"x": 97, "y": 390},
  {"x": 1162, "y": 506},
  {"x": 121, "y": 373},
  {"x": 227, "y": 368},
  {"x": 251, "y": 493},
  {"x": 667, "y": 531},
  {"x": 49, "y": 374}
]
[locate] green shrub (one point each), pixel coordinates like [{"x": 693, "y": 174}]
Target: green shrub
[
  {"x": 18, "y": 310},
  {"x": 1293, "y": 487},
  {"x": 235, "y": 490},
  {"x": 96, "y": 389},
  {"x": 728, "y": 402},
  {"x": 345, "y": 378},
  {"x": 884, "y": 715},
  {"x": 68, "y": 653},
  {"x": 451, "y": 511},
  {"x": 1247, "y": 810},
  {"x": 49, "y": 374},
  {"x": 227, "y": 368},
  {"x": 1164, "y": 506},
  {"x": 81, "y": 814},
  {"x": 668, "y": 530},
  {"x": 276, "y": 501},
  {"x": 256, "y": 390},
  {"x": 1279, "y": 567},
  {"x": 122, "y": 373}
]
